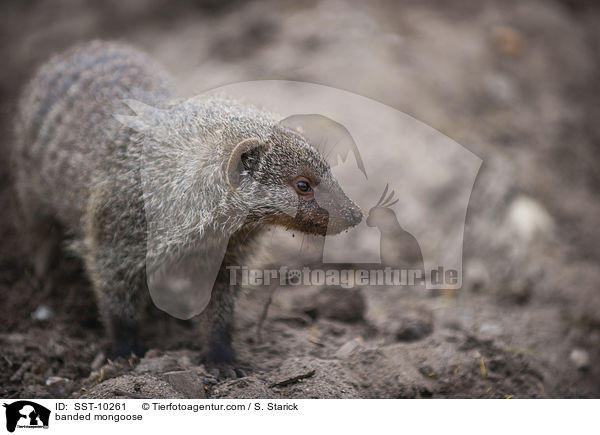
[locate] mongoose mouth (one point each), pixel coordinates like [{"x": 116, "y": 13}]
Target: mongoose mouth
[
  {"x": 327, "y": 224},
  {"x": 321, "y": 225},
  {"x": 338, "y": 225},
  {"x": 317, "y": 225}
]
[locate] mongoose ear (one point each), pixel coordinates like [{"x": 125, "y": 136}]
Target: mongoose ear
[
  {"x": 331, "y": 138},
  {"x": 245, "y": 156}
]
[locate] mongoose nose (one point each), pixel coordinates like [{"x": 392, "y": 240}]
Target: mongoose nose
[{"x": 356, "y": 215}]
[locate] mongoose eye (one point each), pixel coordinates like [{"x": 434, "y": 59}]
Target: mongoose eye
[{"x": 302, "y": 186}]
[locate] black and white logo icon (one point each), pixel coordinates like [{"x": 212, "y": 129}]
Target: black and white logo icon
[{"x": 25, "y": 414}]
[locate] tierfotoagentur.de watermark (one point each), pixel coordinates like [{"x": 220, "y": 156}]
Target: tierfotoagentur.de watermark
[{"x": 345, "y": 278}]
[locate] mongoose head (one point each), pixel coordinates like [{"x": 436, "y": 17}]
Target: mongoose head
[{"x": 292, "y": 183}]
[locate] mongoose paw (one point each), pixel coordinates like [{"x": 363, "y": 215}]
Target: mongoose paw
[
  {"x": 227, "y": 371},
  {"x": 221, "y": 361},
  {"x": 126, "y": 339},
  {"x": 127, "y": 349}
]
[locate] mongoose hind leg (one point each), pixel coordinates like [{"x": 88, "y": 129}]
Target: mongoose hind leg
[
  {"x": 45, "y": 242},
  {"x": 41, "y": 232},
  {"x": 45, "y": 259}
]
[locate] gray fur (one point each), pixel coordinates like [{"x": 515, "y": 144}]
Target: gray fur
[{"x": 108, "y": 186}]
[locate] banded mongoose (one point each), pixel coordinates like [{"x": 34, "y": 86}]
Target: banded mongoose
[{"x": 78, "y": 169}]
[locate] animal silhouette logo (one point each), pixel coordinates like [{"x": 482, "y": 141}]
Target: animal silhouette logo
[
  {"x": 26, "y": 414},
  {"x": 398, "y": 248}
]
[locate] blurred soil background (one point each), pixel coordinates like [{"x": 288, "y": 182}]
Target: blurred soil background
[{"x": 516, "y": 82}]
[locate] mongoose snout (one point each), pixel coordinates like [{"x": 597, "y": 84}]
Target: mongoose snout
[
  {"x": 204, "y": 176},
  {"x": 331, "y": 208}
]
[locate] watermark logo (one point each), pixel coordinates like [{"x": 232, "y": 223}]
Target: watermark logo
[
  {"x": 204, "y": 189},
  {"x": 25, "y": 414},
  {"x": 345, "y": 278}
]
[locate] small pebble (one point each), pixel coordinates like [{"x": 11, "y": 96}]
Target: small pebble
[
  {"x": 58, "y": 385},
  {"x": 42, "y": 313},
  {"x": 413, "y": 325},
  {"x": 153, "y": 353},
  {"x": 490, "y": 330},
  {"x": 184, "y": 362},
  {"x": 187, "y": 382},
  {"x": 54, "y": 380},
  {"x": 580, "y": 358},
  {"x": 349, "y": 348}
]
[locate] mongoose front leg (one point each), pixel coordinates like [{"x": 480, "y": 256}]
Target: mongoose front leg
[
  {"x": 120, "y": 299},
  {"x": 216, "y": 323},
  {"x": 117, "y": 270},
  {"x": 125, "y": 336}
]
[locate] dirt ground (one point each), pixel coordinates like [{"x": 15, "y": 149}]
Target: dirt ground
[{"x": 514, "y": 81}]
